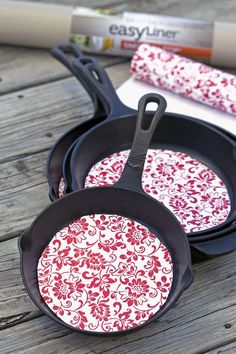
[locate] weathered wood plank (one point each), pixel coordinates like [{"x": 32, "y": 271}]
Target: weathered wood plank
[
  {"x": 41, "y": 110},
  {"x": 15, "y": 304},
  {"x": 199, "y": 9},
  {"x": 21, "y": 68},
  {"x": 45, "y": 112},
  {"x": 229, "y": 348},
  {"x": 208, "y": 304},
  {"x": 86, "y": 3},
  {"x": 24, "y": 192}
]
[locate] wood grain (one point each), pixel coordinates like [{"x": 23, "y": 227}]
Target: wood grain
[
  {"x": 195, "y": 9},
  {"x": 50, "y": 108},
  {"x": 86, "y": 3},
  {"x": 226, "y": 348},
  {"x": 198, "y": 9},
  {"x": 15, "y": 304},
  {"x": 21, "y": 68}
]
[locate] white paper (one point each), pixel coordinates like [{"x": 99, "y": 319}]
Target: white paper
[{"x": 131, "y": 91}]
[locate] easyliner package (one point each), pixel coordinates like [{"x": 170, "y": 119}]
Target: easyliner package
[{"x": 46, "y": 25}]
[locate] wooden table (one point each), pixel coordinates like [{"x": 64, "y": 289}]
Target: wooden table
[{"x": 40, "y": 101}]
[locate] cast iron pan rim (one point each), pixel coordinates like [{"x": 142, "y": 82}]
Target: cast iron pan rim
[
  {"x": 209, "y": 125},
  {"x": 40, "y": 304},
  {"x": 51, "y": 153}
]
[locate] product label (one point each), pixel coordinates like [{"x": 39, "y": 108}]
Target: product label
[{"x": 122, "y": 35}]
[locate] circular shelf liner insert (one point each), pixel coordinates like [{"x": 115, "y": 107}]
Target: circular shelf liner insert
[
  {"x": 188, "y": 188},
  {"x": 105, "y": 273}
]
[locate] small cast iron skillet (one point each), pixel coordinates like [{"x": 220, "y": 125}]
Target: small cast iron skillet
[
  {"x": 126, "y": 198},
  {"x": 65, "y": 54},
  {"x": 175, "y": 132}
]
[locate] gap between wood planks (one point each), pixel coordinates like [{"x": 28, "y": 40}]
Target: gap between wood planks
[{"x": 48, "y": 71}]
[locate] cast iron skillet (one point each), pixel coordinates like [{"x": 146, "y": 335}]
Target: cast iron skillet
[
  {"x": 125, "y": 198},
  {"x": 175, "y": 132},
  {"x": 65, "y": 54}
]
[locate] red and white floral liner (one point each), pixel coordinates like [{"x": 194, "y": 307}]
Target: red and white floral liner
[
  {"x": 189, "y": 189},
  {"x": 105, "y": 273},
  {"x": 186, "y": 77},
  {"x": 61, "y": 188}
]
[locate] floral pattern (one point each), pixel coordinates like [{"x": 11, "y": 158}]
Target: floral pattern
[
  {"x": 115, "y": 277},
  {"x": 61, "y": 187},
  {"x": 186, "y": 77},
  {"x": 191, "y": 191}
]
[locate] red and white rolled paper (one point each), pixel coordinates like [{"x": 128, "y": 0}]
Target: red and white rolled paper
[{"x": 186, "y": 77}]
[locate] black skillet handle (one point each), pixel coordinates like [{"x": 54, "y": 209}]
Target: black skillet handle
[
  {"x": 132, "y": 174},
  {"x": 66, "y": 54},
  {"x": 104, "y": 88}
]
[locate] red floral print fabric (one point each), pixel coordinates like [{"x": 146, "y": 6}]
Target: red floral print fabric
[
  {"x": 105, "y": 273},
  {"x": 189, "y": 189},
  {"x": 185, "y": 77}
]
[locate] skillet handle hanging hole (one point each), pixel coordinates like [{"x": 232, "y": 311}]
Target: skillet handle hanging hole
[
  {"x": 96, "y": 76},
  {"x": 101, "y": 84},
  {"x": 145, "y": 129},
  {"x": 99, "y": 75},
  {"x": 132, "y": 174},
  {"x": 66, "y": 53},
  {"x": 145, "y": 124}
]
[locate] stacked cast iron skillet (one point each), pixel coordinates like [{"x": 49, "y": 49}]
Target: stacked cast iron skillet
[
  {"x": 112, "y": 258},
  {"x": 74, "y": 154}
]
